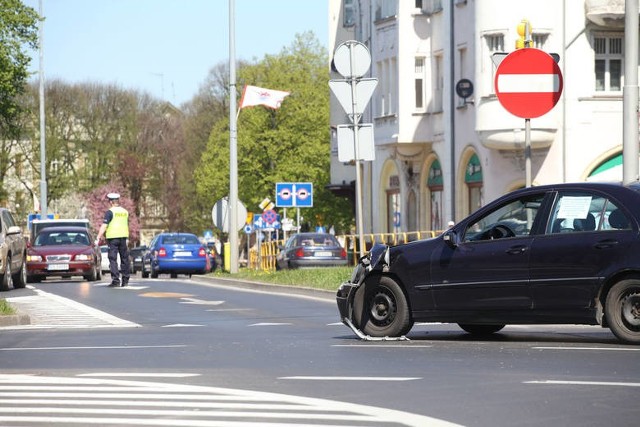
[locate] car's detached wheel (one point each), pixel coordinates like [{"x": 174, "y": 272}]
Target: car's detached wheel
[
  {"x": 480, "y": 329},
  {"x": 622, "y": 310},
  {"x": 380, "y": 309}
]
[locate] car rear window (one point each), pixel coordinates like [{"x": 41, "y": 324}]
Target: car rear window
[{"x": 180, "y": 240}]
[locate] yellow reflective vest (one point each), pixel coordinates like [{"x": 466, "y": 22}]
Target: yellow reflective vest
[{"x": 119, "y": 224}]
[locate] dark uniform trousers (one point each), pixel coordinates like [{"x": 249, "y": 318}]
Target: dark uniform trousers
[{"x": 118, "y": 246}]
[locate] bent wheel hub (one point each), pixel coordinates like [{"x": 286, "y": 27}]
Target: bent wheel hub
[
  {"x": 631, "y": 309},
  {"x": 382, "y": 308}
]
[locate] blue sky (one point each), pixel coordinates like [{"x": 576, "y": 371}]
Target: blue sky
[{"x": 165, "y": 47}]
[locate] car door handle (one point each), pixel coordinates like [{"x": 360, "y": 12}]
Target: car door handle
[
  {"x": 515, "y": 250},
  {"x": 605, "y": 244}
]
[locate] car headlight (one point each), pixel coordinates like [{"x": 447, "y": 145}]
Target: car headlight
[
  {"x": 34, "y": 258},
  {"x": 84, "y": 257}
]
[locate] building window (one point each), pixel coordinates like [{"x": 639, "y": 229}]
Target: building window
[
  {"x": 348, "y": 13},
  {"x": 494, "y": 43},
  {"x": 419, "y": 76},
  {"x": 608, "y": 63},
  {"x": 438, "y": 84},
  {"x": 473, "y": 180},
  {"x": 435, "y": 186},
  {"x": 394, "y": 204},
  {"x": 387, "y": 87},
  {"x": 386, "y": 9}
]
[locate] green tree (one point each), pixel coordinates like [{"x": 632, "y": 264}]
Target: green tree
[
  {"x": 290, "y": 144},
  {"x": 18, "y": 31}
]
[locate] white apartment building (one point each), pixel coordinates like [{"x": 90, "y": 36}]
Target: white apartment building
[{"x": 438, "y": 157}]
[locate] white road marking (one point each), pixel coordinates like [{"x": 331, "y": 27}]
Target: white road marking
[
  {"x": 587, "y": 348},
  {"x": 27, "y": 399},
  {"x": 199, "y": 301},
  {"x": 181, "y": 325},
  {"x": 111, "y": 347},
  {"x": 139, "y": 374},
  {"x": 270, "y": 324},
  {"x": 601, "y": 383},
  {"x": 383, "y": 345},
  {"x": 319, "y": 378}
]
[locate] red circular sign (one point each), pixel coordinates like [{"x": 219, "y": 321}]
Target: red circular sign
[{"x": 528, "y": 83}]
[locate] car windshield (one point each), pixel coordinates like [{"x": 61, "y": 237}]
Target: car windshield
[{"x": 62, "y": 238}]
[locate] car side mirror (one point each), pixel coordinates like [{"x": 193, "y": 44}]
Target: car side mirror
[{"x": 451, "y": 238}]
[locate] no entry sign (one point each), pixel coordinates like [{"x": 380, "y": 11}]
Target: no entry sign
[{"x": 528, "y": 83}]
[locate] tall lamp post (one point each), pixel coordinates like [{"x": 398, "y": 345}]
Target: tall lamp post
[{"x": 43, "y": 153}]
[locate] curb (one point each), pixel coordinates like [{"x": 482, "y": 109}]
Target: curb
[
  {"x": 15, "y": 319},
  {"x": 283, "y": 289}
]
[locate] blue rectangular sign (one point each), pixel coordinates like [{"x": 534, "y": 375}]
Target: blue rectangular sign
[{"x": 294, "y": 194}]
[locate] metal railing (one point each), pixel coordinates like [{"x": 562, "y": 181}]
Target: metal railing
[{"x": 264, "y": 257}]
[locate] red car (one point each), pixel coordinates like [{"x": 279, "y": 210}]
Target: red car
[{"x": 63, "y": 252}]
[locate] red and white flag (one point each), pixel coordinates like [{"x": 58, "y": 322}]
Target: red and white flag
[{"x": 253, "y": 95}]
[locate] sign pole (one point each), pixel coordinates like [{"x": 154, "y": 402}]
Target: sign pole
[
  {"x": 527, "y": 152},
  {"x": 356, "y": 120}
]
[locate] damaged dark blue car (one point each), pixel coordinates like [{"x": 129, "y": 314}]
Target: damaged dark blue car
[{"x": 555, "y": 254}]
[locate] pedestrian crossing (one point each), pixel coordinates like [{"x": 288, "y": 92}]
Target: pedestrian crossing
[{"x": 90, "y": 399}]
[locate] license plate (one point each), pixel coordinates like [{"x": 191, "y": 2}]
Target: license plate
[
  {"x": 137, "y": 259},
  {"x": 323, "y": 253},
  {"x": 182, "y": 253},
  {"x": 58, "y": 267}
]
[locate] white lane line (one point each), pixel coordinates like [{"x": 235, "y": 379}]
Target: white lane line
[
  {"x": 383, "y": 345},
  {"x": 602, "y": 383},
  {"x": 317, "y": 378},
  {"x": 139, "y": 374},
  {"x": 270, "y": 324},
  {"x": 587, "y": 348},
  {"x": 110, "y": 347},
  {"x": 199, "y": 301},
  {"x": 181, "y": 325}
]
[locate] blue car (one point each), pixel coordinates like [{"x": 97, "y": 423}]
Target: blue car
[{"x": 175, "y": 253}]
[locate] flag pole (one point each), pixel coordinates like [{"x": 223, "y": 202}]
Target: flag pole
[{"x": 233, "y": 146}]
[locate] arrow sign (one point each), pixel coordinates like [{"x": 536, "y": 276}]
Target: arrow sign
[
  {"x": 528, "y": 83},
  {"x": 364, "y": 90}
]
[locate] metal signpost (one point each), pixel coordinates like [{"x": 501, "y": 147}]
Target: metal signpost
[{"x": 352, "y": 60}]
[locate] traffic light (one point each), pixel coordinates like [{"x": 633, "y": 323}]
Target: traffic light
[{"x": 524, "y": 34}]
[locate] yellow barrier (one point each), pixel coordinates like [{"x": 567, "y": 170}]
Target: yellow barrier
[{"x": 265, "y": 260}]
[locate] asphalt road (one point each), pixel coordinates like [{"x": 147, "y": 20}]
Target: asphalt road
[{"x": 202, "y": 352}]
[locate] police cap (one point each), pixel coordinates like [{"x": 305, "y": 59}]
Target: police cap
[{"x": 113, "y": 196}]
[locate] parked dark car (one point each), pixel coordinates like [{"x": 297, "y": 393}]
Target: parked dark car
[
  {"x": 13, "y": 253},
  {"x": 175, "y": 253},
  {"x": 63, "y": 252},
  {"x": 311, "y": 250},
  {"x": 135, "y": 255},
  {"x": 557, "y": 254}
]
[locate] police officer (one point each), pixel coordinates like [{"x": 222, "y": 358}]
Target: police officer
[{"x": 115, "y": 228}]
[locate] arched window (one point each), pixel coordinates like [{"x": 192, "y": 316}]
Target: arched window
[
  {"x": 435, "y": 186},
  {"x": 473, "y": 181}
]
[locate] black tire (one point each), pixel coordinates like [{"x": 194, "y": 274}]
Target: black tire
[
  {"x": 93, "y": 276},
  {"x": 6, "y": 281},
  {"x": 622, "y": 310},
  {"x": 174, "y": 275},
  {"x": 144, "y": 272},
  {"x": 480, "y": 329},
  {"x": 20, "y": 278},
  {"x": 380, "y": 309},
  {"x": 154, "y": 273}
]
